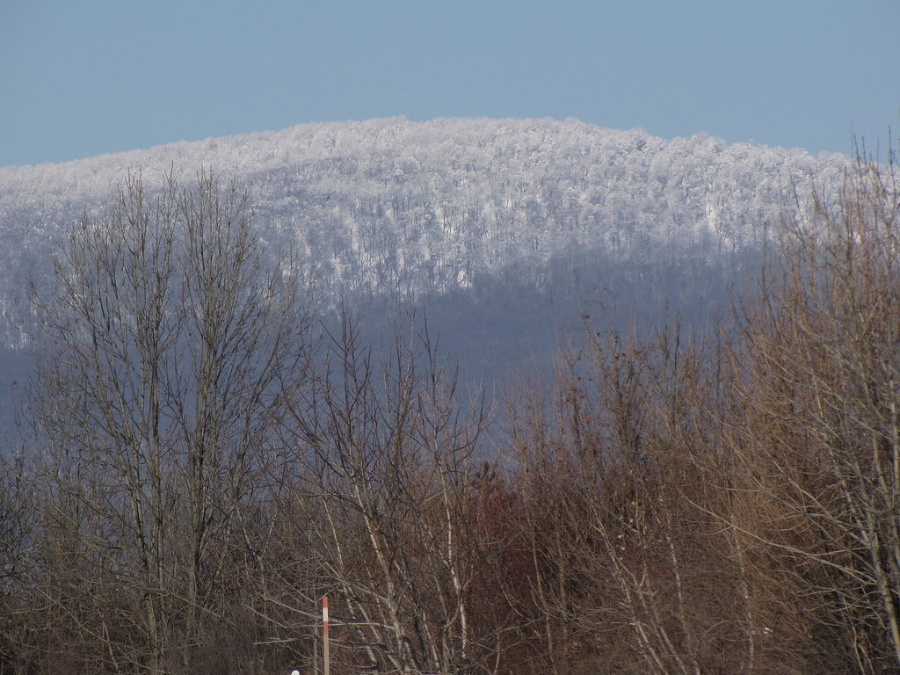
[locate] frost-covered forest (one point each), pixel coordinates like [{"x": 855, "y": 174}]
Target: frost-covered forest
[
  {"x": 506, "y": 230},
  {"x": 392, "y": 207},
  {"x": 519, "y": 396}
]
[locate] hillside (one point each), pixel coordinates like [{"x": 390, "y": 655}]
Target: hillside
[
  {"x": 203, "y": 462},
  {"x": 507, "y": 230}
]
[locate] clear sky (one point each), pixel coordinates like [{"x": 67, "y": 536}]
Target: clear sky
[{"x": 80, "y": 78}]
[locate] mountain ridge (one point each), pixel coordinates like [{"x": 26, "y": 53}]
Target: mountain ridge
[{"x": 389, "y": 206}]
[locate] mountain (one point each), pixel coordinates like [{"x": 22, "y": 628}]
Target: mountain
[{"x": 506, "y": 230}]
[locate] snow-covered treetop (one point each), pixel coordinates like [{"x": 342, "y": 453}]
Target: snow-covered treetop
[{"x": 391, "y": 205}]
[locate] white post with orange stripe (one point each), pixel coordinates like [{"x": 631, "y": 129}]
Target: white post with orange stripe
[{"x": 326, "y": 651}]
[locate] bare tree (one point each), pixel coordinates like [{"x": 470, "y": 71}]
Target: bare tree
[
  {"x": 164, "y": 343},
  {"x": 16, "y": 533},
  {"x": 388, "y": 451},
  {"x": 627, "y": 571},
  {"x": 821, "y": 442}
]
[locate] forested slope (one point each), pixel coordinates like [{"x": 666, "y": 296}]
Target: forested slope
[
  {"x": 234, "y": 408},
  {"x": 392, "y": 207}
]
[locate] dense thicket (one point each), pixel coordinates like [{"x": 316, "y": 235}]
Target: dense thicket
[{"x": 207, "y": 464}]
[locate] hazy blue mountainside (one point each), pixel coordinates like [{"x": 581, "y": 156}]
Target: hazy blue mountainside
[{"x": 506, "y": 229}]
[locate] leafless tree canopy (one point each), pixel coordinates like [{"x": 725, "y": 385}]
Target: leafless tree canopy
[{"x": 207, "y": 460}]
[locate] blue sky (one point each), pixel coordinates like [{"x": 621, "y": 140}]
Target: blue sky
[{"x": 88, "y": 77}]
